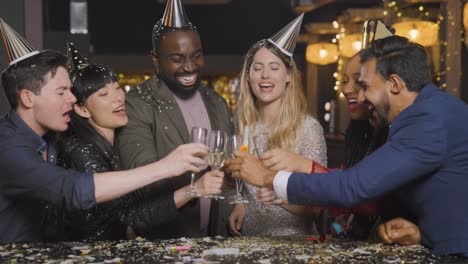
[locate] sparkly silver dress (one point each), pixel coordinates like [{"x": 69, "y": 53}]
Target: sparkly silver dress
[{"x": 274, "y": 220}]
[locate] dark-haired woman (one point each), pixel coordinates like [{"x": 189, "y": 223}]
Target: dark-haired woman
[
  {"x": 88, "y": 145},
  {"x": 364, "y": 135}
]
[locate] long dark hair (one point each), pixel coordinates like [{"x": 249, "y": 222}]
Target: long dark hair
[
  {"x": 361, "y": 139},
  {"x": 86, "y": 82}
]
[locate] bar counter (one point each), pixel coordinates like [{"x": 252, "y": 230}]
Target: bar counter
[{"x": 219, "y": 250}]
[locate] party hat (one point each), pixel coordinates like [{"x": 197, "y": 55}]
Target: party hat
[
  {"x": 75, "y": 60},
  {"x": 17, "y": 48},
  {"x": 174, "y": 15},
  {"x": 285, "y": 39},
  {"x": 373, "y": 30}
]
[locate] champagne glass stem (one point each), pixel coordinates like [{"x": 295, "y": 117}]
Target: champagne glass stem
[
  {"x": 192, "y": 181},
  {"x": 238, "y": 187},
  {"x": 198, "y": 135}
]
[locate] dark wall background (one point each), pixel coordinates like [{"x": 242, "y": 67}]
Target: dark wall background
[
  {"x": 13, "y": 13},
  {"x": 123, "y": 26},
  {"x": 116, "y": 26}
]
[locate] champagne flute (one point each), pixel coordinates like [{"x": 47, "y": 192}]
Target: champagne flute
[
  {"x": 233, "y": 145},
  {"x": 261, "y": 145},
  {"x": 216, "y": 153},
  {"x": 198, "y": 135}
]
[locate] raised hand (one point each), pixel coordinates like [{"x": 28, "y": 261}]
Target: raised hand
[
  {"x": 400, "y": 231},
  {"x": 278, "y": 159},
  {"x": 268, "y": 197},
  {"x": 210, "y": 183},
  {"x": 250, "y": 169},
  {"x": 186, "y": 157}
]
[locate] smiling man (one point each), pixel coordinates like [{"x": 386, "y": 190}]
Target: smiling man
[
  {"x": 179, "y": 59},
  {"x": 38, "y": 89},
  {"x": 424, "y": 162},
  {"x": 162, "y": 112}
]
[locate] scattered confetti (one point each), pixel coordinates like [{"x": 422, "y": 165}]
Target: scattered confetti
[{"x": 219, "y": 250}]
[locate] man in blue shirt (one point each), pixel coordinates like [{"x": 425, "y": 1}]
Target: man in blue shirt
[
  {"x": 425, "y": 160},
  {"x": 39, "y": 91}
]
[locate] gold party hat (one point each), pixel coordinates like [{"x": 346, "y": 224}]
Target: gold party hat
[
  {"x": 17, "y": 48},
  {"x": 285, "y": 39},
  {"x": 174, "y": 15},
  {"x": 373, "y": 30},
  {"x": 75, "y": 60}
]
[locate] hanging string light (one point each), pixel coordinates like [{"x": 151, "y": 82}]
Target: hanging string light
[
  {"x": 350, "y": 45},
  {"x": 422, "y": 13},
  {"x": 422, "y": 32},
  {"x": 321, "y": 53}
]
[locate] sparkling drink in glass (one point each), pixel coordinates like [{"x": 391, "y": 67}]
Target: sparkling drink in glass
[
  {"x": 198, "y": 135},
  {"x": 216, "y": 153},
  {"x": 234, "y": 144}
]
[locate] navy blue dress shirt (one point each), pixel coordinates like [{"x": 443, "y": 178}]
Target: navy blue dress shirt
[
  {"x": 27, "y": 180},
  {"x": 425, "y": 160}
]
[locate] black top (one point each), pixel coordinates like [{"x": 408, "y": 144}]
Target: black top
[
  {"x": 106, "y": 221},
  {"x": 361, "y": 140},
  {"x": 26, "y": 180}
]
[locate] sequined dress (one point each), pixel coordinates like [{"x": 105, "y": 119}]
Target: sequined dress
[
  {"x": 274, "y": 220},
  {"x": 109, "y": 220}
]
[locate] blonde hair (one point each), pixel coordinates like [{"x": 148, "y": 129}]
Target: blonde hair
[{"x": 288, "y": 124}]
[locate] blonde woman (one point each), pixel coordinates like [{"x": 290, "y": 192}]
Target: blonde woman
[{"x": 271, "y": 101}]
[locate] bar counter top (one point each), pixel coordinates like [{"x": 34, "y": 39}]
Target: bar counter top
[{"x": 219, "y": 250}]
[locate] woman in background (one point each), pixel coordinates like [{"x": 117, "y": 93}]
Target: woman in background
[{"x": 365, "y": 133}]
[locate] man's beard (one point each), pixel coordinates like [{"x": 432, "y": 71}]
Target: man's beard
[
  {"x": 383, "y": 115},
  {"x": 180, "y": 90}
]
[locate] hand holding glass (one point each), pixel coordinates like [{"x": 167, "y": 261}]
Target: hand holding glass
[
  {"x": 234, "y": 144},
  {"x": 261, "y": 145},
  {"x": 198, "y": 135},
  {"x": 216, "y": 153}
]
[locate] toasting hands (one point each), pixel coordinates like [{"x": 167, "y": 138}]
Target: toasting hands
[
  {"x": 185, "y": 158},
  {"x": 210, "y": 183},
  {"x": 250, "y": 169},
  {"x": 269, "y": 197},
  {"x": 278, "y": 159}
]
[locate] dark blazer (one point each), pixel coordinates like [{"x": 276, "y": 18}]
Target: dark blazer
[
  {"x": 156, "y": 127},
  {"x": 425, "y": 160}
]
